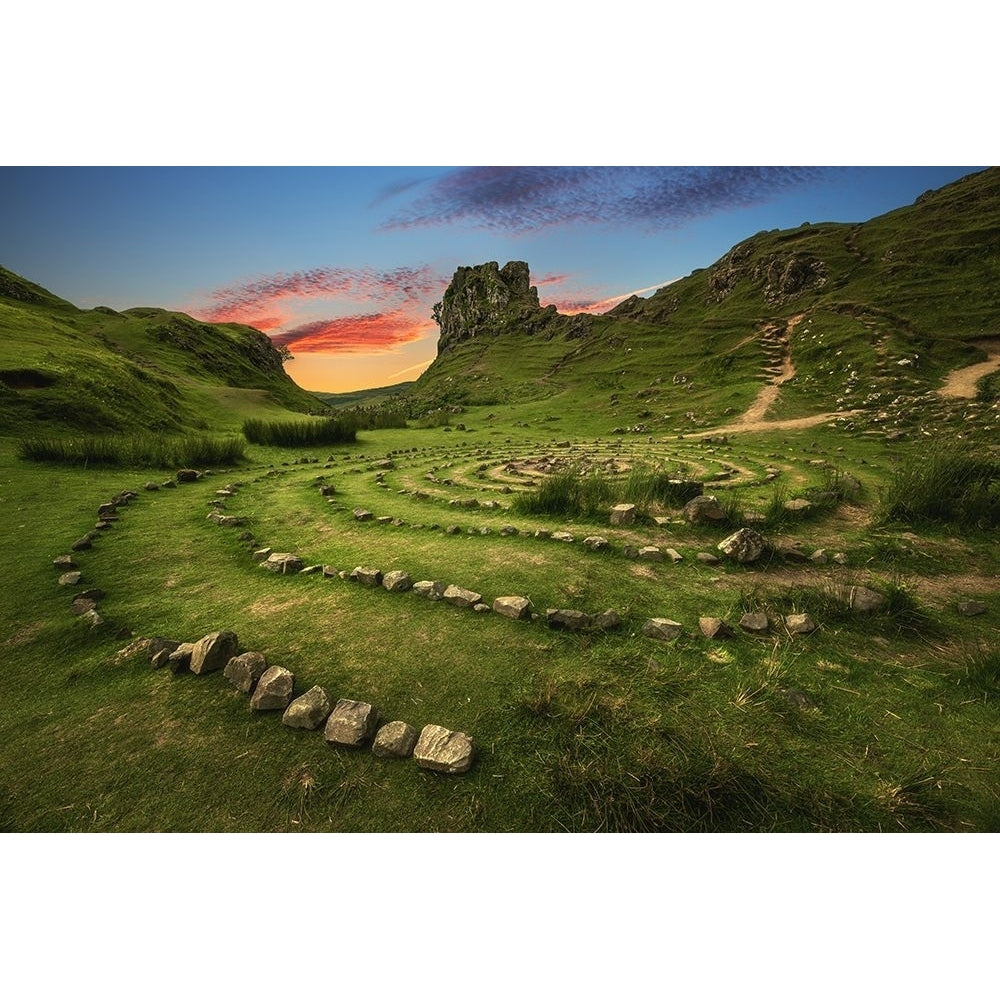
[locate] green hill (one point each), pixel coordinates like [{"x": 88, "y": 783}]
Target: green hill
[
  {"x": 102, "y": 370},
  {"x": 855, "y": 315}
]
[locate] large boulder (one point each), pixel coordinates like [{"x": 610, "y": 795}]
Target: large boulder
[
  {"x": 743, "y": 546},
  {"x": 213, "y": 652},
  {"x": 309, "y": 710},
  {"x": 351, "y": 723},
  {"x": 440, "y": 749},
  {"x": 518, "y": 608},
  {"x": 274, "y": 690},
  {"x": 703, "y": 510},
  {"x": 395, "y": 739},
  {"x": 245, "y": 670}
]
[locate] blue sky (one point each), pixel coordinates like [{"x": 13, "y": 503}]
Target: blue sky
[{"x": 344, "y": 263}]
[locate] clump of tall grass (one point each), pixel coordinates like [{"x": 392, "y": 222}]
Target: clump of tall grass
[
  {"x": 944, "y": 485},
  {"x": 302, "y": 433},
  {"x": 589, "y": 495},
  {"x": 136, "y": 451}
]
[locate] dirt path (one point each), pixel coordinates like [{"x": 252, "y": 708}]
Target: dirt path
[{"x": 961, "y": 384}]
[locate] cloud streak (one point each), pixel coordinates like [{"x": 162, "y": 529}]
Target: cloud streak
[
  {"x": 522, "y": 200},
  {"x": 368, "y": 333},
  {"x": 249, "y": 301}
]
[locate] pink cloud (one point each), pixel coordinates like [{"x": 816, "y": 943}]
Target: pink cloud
[{"x": 362, "y": 334}]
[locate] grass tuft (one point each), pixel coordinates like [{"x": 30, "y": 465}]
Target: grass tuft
[
  {"x": 144, "y": 451},
  {"x": 301, "y": 433}
]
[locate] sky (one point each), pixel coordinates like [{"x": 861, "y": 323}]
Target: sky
[{"x": 342, "y": 265}]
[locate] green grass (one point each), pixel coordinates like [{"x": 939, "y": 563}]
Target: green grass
[
  {"x": 301, "y": 433},
  {"x": 138, "y": 451}
]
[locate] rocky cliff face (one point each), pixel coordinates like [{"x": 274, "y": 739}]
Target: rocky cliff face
[{"x": 488, "y": 300}]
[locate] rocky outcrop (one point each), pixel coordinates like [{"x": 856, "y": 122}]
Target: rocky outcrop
[{"x": 487, "y": 300}]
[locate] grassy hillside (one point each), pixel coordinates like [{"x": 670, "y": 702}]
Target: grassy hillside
[
  {"x": 897, "y": 301},
  {"x": 101, "y": 370}
]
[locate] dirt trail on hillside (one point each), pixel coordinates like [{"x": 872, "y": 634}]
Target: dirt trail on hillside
[{"x": 961, "y": 384}]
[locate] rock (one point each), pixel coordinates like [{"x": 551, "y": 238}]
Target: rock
[
  {"x": 308, "y": 711},
  {"x": 481, "y": 608},
  {"x": 623, "y": 513},
  {"x": 70, "y": 579},
  {"x": 82, "y": 544},
  {"x": 273, "y": 691},
  {"x": 360, "y": 514},
  {"x": 595, "y": 543},
  {"x": 397, "y": 581},
  {"x": 187, "y": 475},
  {"x": 395, "y": 739},
  {"x": 543, "y": 533},
  {"x": 92, "y": 618},
  {"x": 261, "y": 554},
  {"x": 179, "y": 659},
  {"x": 797, "y": 506},
  {"x": 367, "y": 576},
  {"x": 661, "y": 628},
  {"x": 606, "y": 620},
  {"x": 561, "y": 536},
  {"x": 630, "y": 552},
  {"x": 518, "y": 608},
  {"x": 714, "y": 628},
  {"x": 81, "y": 605},
  {"x": 674, "y": 555},
  {"x": 282, "y": 562},
  {"x": 860, "y": 599},
  {"x": 245, "y": 670},
  {"x": 460, "y": 597},
  {"x": 106, "y": 511},
  {"x": 703, "y": 510},
  {"x": 650, "y": 553},
  {"x": 213, "y": 652},
  {"x": 310, "y": 570},
  {"x": 452, "y": 529},
  {"x": 385, "y": 519},
  {"x": 567, "y": 620},
  {"x": 839, "y": 558},
  {"x": 508, "y": 530},
  {"x": 63, "y": 563},
  {"x": 819, "y": 557},
  {"x": 152, "y": 487},
  {"x": 351, "y": 723},
  {"x": 755, "y": 622},
  {"x": 329, "y": 571},
  {"x": 791, "y": 551},
  {"x": 440, "y": 749},
  {"x": 708, "y": 558},
  {"x": 799, "y": 624},
  {"x": 970, "y": 608},
  {"x": 743, "y": 546},
  {"x": 433, "y": 590}
]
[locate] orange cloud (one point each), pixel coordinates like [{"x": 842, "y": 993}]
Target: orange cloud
[
  {"x": 364, "y": 334},
  {"x": 573, "y": 306}
]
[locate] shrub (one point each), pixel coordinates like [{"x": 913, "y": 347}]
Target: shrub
[
  {"x": 134, "y": 450},
  {"x": 302, "y": 433},
  {"x": 942, "y": 484}
]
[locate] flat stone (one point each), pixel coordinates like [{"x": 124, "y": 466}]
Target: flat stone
[
  {"x": 360, "y": 514},
  {"x": 518, "y": 608},
  {"x": 508, "y": 530},
  {"x": 261, "y": 554},
  {"x": 561, "y": 536},
  {"x": 661, "y": 628},
  {"x": 81, "y": 605},
  {"x": 70, "y": 579},
  {"x": 351, "y": 723},
  {"x": 970, "y": 608},
  {"x": 92, "y": 618},
  {"x": 650, "y": 553},
  {"x": 282, "y": 562},
  {"x": 245, "y": 670},
  {"x": 187, "y": 475},
  {"x": 714, "y": 628},
  {"x": 755, "y": 622},
  {"x": 309, "y": 710},
  {"x": 606, "y": 620},
  {"x": 461, "y": 597},
  {"x": 708, "y": 558},
  {"x": 64, "y": 562},
  {"x": 800, "y": 624},
  {"x": 395, "y": 739},
  {"x": 673, "y": 555},
  {"x": 542, "y": 534},
  {"x": 213, "y": 652},
  {"x": 433, "y": 590},
  {"x": 567, "y": 620},
  {"x": 797, "y": 506},
  {"x": 273, "y": 691},
  {"x": 440, "y": 749},
  {"x": 397, "y": 581},
  {"x": 595, "y": 543}
]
